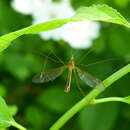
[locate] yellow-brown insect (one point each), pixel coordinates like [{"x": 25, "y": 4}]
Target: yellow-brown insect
[{"x": 52, "y": 74}]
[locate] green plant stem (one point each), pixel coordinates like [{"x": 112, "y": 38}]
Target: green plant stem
[
  {"x": 16, "y": 125},
  {"x": 88, "y": 98},
  {"x": 109, "y": 99}
]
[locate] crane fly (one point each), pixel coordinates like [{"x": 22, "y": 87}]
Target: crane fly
[{"x": 52, "y": 74}]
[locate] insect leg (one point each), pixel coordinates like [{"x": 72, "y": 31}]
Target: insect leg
[
  {"x": 45, "y": 63},
  {"x": 77, "y": 83},
  {"x": 67, "y": 88},
  {"x": 58, "y": 58}
]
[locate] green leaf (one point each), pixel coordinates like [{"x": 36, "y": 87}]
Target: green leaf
[
  {"x": 5, "y": 117},
  {"x": 93, "y": 13},
  {"x": 34, "y": 29},
  {"x": 127, "y": 100},
  {"x": 13, "y": 109},
  {"x": 101, "y": 13},
  {"x": 98, "y": 117}
]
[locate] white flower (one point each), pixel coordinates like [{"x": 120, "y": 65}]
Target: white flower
[
  {"x": 26, "y": 6},
  {"x": 77, "y": 34},
  {"x": 80, "y": 34},
  {"x": 53, "y": 10},
  {"x": 50, "y": 11}
]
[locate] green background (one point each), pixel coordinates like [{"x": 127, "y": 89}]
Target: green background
[{"x": 40, "y": 105}]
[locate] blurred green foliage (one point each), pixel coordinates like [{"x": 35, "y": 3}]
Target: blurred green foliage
[{"x": 40, "y": 105}]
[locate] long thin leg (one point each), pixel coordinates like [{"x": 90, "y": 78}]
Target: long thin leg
[
  {"x": 77, "y": 83},
  {"x": 58, "y": 58},
  {"x": 49, "y": 58},
  {"x": 67, "y": 87},
  {"x": 45, "y": 63},
  {"x": 83, "y": 57},
  {"x": 98, "y": 62}
]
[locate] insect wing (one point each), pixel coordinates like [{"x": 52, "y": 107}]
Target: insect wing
[
  {"x": 89, "y": 79},
  {"x": 47, "y": 76}
]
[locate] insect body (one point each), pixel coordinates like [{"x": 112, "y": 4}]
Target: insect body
[{"x": 52, "y": 74}]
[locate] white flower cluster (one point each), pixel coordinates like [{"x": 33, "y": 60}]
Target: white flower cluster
[{"x": 77, "y": 34}]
